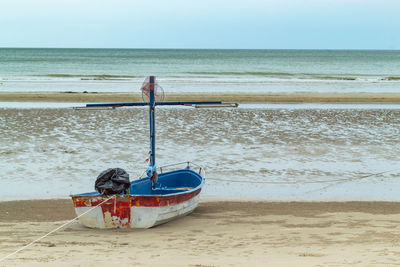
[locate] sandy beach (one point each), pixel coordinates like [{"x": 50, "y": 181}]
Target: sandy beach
[
  {"x": 298, "y": 167},
  {"x": 216, "y": 234},
  {"x": 371, "y": 98}
]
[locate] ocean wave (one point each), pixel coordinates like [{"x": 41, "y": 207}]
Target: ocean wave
[
  {"x": 311, "y": 76},
  {"x": 254, "y": 73},
  {"x": 89, "y": 77},
  {"x": 392, "y": 78},
  {"x": 280, "y": 75},
  {"x": 335, "y": 78},
  {"x": 216, "y": 78}
]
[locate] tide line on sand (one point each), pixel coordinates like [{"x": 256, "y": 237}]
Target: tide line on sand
[{"x": 367, "y": 98}]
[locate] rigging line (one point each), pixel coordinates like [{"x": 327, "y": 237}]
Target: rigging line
[
  {"x": 303, "y": 182},
  {"x": 49, "y": 233},
  {"x": 140, "y": 176},
  {"x": 52, "y": 231},
  {"x": 58, "y": 228},
  {"x": 355, "y": 178},
  {"x": 340, "y": 182}
]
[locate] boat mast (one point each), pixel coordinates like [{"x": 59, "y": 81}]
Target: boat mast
[
  {"x": 149, "y": 89},
  {"x": 152, "y": 170}
]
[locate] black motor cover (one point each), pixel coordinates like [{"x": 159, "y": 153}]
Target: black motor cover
[{"x": 112, "y": 181}]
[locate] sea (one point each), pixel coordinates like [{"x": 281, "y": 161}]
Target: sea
[
  {"x": 200, "y": 71},
  {"x": 284, "y": 152}
]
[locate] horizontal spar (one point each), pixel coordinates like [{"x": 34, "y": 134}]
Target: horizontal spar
[
  {"x": 176, "y": 103},
  {"x": 117, "y": 104},
  {"x": 197, "y": 104},
  {"x": 222, "y": 105}
]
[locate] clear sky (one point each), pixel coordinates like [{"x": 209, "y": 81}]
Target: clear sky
[{"x": 269, "y": 24}]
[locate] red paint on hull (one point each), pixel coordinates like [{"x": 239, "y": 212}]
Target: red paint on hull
[
  {"x": 122, "y": 203},
  {"x": 118, "y": 209},
  {"x": 161, "y": 201}
]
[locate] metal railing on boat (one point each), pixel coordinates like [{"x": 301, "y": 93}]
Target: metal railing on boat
[{"x": 189, "y": 164}]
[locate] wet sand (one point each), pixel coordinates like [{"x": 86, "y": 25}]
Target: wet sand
[
  {"x": 226, "y": 97},
  {"x": 216, "y": 234},
  {"x": 52, "y": 153}
]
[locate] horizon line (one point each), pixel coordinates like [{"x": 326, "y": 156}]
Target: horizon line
[{"x": 193, "y": 48}]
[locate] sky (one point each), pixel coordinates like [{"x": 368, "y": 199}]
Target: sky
[{"x": 209, "y": 24}]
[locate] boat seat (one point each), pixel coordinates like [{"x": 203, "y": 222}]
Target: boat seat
[
  {"x": 182, "y": 188},
  {"x": 177, "y": 188}
]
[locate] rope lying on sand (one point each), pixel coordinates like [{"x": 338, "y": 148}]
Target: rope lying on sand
[
  {"x": 58, "y": 228},
  {"x": 49, "y": 233},
  {"x": 303, "y": 182}
]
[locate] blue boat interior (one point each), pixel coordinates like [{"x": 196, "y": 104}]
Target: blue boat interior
[
  {"x": 168, "y": 183},
  {"x": 173, "y": 182}
]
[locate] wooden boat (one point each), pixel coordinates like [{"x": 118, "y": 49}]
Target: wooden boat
[
  {"x": 176, "y": 195},
  {"x": 150, "y": 201}
]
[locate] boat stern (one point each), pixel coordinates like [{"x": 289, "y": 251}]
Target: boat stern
[{"x": 103, "y": 211}]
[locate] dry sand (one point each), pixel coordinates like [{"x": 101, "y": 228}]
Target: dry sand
[
  {"x": 226, "y": 97},
  {"x": 216, "y": 234}
]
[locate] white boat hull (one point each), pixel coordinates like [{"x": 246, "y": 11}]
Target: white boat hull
[{"x": 128, "y": 211}]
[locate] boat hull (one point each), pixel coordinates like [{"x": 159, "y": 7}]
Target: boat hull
[
  {"x": 130, "y": 211},
  {"x": 176, "y": 194}
]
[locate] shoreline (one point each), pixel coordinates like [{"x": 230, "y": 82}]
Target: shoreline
[
  {"x": 350, "y": 98},
  {"x": 52, "y": 210},
  {"x": 229, "y": 233}
]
